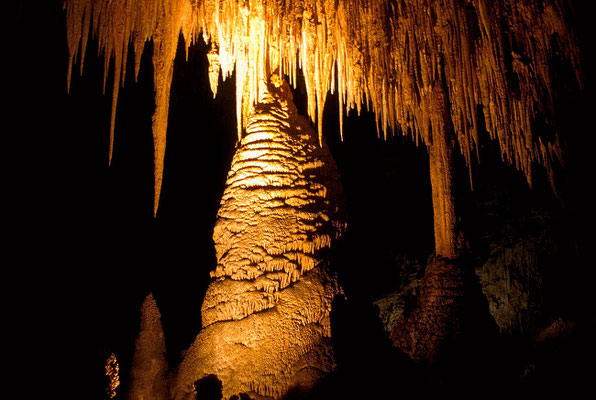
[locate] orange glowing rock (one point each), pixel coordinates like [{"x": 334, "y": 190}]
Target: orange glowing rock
[
  {"x": 266, "y": 324},
  {"x": 388, "y": 56},
  {"x": 149, "y": 372},
  {"x": 113, "y": 373}
]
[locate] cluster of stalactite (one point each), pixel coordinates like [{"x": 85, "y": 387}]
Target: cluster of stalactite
[{"x": 389, "y": 55}]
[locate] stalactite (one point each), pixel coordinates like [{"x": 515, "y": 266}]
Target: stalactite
[{"x": 387, "y": 55}]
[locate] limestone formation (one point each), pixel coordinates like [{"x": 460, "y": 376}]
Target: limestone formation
[
  {"x": 392, "y": 305},
  {"x": 112, "y": 369},
  {"x": 437, "y": 316},
  {"x": 438, "y": 71},
  {"x": 265, "y": 316},
  {"x": 492, "y": 56},
  {"x": 149, "y": 372},
  {"x": 514, "y": 277}
]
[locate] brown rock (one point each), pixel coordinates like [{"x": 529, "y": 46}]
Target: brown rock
[{"x": 437, "y": 315}]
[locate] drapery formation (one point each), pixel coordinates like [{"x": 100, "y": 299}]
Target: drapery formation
[{"x": 389, "y": 55}]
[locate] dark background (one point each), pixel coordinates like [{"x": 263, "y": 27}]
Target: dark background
[{"x": 85, "y": 248}]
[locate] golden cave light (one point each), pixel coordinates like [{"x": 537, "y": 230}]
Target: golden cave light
[{"x": 424, "y": 67}]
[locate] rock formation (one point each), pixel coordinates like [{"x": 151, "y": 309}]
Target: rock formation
[
  {"x": 437, "y": 316},
  {"x": 392, "y": 305},
  {"x": 515, "y": 278},
  {"x": 492, "y": 56},
  {"x": 113, "y": 374},
  {"x": 438, "y": 71},
  {"x": 265, "y": 316},
  {"x": 513, "y": 275},
  {"x": 149, "y": 372}
]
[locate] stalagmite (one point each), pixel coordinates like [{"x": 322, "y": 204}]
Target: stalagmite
[
  {"x": 149, "y": 372},
  {"x": 440, "y": 154},
  {"x": 266, "y": 324},
  {"x": 438, "y": 315}
]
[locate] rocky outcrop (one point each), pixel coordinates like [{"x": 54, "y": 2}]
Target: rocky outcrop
[
  {"x": 265, "y": 316},
  {"x": 511, "y": 281}
]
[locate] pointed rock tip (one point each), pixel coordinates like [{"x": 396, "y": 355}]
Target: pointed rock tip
[{"x": 149, "y": 303}]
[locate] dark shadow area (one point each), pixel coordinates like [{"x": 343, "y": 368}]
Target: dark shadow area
[
  {"x": 297, "y": 393},
  {"x": 368, "y": 366},
  {"x": 209, "y": 388},
  {"x": 241, "y": 396}
]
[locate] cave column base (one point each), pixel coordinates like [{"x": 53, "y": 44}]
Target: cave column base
[{"x": 437, "y": 317}]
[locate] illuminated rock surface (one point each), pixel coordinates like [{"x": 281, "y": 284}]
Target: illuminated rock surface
[
  {"x": 149, "y": 372},
  {"x": 438, "y": 71},
  {"x": 113, "y": 374},
  {"x": 490, "y": 58},
  {"x": 266, "y": 325}
]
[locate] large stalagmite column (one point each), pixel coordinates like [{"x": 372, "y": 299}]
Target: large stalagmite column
[
  {"x": 266, "y": 325},
  {"x": 440, "y": 154},
  {"x": 437, "y": 316}
]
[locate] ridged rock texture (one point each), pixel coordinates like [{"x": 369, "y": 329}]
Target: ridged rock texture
[
  {"x": 266, "y": 314},
  {"x": 149, "y": 372}
]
